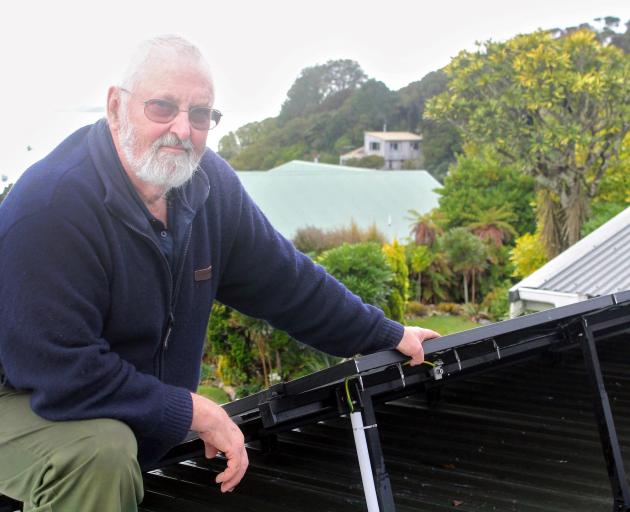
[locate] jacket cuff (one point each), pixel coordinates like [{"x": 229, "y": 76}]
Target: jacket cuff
[
  {"x": 389, "y": 336},
  {"x": 177, "y": 415}
]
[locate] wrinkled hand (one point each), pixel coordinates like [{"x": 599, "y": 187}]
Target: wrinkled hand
[
  {"x": 411, "y": 343},
  {"x": 220, "y": 434}
]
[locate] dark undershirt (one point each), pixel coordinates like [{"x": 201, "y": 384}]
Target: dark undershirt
[{"x": 165, "y": 237}]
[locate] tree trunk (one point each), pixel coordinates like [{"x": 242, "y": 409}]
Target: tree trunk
[
  {"x": 549, "y": 215},
  {"x": 419, "y": 287},
  {"x": 465, "y": 288},
  {"x": 263, "y": 360},
  {"x": 473, "y": 286}
]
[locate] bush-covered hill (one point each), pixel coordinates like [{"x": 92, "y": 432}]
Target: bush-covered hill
[{"x": 326, "y": 112}]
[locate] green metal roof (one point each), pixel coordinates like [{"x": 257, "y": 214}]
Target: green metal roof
[{"x": 299, "y": 194}]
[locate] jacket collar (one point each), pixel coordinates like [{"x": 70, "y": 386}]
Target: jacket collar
[{"x": 118, "y": 189}]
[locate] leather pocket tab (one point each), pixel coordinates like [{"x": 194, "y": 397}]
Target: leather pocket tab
[{"x": 203, "y": 274}]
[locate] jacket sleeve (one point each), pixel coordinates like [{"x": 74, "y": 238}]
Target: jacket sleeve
[
  {"x": 266, "y": 277},
  {"x": 55, "y": 299}
]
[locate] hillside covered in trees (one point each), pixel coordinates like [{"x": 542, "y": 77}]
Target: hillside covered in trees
[
  {"x": 326, "y": 112},
  {"x": 330, "y": 105}
]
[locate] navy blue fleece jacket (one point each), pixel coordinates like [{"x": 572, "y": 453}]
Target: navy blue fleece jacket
[{"x": 94, "y": 322}]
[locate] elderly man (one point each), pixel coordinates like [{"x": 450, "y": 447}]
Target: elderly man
[{"x": 113, "y": 248}]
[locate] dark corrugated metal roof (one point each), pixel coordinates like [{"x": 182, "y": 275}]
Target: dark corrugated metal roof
[{"x": 522, "y": 438}]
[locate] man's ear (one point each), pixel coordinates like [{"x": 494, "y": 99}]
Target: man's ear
[{"x": 113, "y": 108}]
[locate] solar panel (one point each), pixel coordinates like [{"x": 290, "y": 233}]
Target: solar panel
[{"x": 355, "y": 385}]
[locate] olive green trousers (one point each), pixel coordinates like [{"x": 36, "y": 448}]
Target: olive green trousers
[{"x": 66, "y": 466}]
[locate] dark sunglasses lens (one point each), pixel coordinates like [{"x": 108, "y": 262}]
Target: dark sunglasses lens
[
  {"x": 160, "y": 111},
  {"x": 201, "y": 118}
]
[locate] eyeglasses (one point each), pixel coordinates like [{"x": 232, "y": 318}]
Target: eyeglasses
[{"x": 164, "y": 111}]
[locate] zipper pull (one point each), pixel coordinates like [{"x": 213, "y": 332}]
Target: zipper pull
[{"x": 169, "y": 328}]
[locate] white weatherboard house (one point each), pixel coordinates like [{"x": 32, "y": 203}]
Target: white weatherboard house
[
  {"x": 300, "y": 194},
  {"x": 394, "y": 147},
  {"x": 598, "y": 264}
]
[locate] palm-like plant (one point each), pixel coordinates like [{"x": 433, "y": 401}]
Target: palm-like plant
[
  {"x": 492, "y": 225},
  {"x": 425, "y": 228},
  {"x": 467, "y": 255}
]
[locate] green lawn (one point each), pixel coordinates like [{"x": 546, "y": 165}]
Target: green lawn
[
  {"x": 444, "y": 324},
  {"x": 213, "y": 393}
]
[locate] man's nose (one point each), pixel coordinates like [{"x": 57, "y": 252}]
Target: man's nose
[{"x": 180, "y": 126}]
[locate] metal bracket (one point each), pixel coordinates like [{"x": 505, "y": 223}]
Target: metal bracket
[
  {"x": 366, "y": 427},
  {"x": 459, "y": 361},
  {"x": 402, "y": 375},
  {"x": 438, "y": 370},
  {"x": 496, "y": 347}
]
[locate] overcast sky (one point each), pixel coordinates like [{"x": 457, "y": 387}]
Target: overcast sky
[{"x": 61, "y": 55}]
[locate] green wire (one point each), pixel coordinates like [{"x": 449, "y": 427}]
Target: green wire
[
  {"x": 348, "y": 396},
  {"x": 429, "y": 363}
]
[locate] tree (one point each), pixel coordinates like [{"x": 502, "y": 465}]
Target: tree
[
  {"x": 478, "y": 183},
  {"x": 528, "y": 255},
  {"x": 318, "y": 83},
  {"x": 492, "y": 225},
  {"x": 229, "y": 146},
  {"x": 555, "y": 108},
  {"x": 425, "y": 228},
  {"x": 467, "y": 255},
  {"x": 4, "y": 193},
  {"x": 440, "y": 140},
  {"x": 419, "y": 259},
  {"x": 440, "y": 144},
  {"x": 622, "y": 41}
]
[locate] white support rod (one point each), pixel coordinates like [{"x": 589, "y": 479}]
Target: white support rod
[{"x": 367, "y": 478}]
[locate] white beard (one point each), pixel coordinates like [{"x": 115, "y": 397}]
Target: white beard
[{"x": 155, "y": 167}]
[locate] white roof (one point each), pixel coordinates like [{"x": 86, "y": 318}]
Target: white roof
[
  {"x": 355, "y": 153},
  {"x": 402, "y": 136}
]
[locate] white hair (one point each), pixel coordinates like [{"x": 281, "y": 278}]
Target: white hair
[{"x": 156, "y": 51}]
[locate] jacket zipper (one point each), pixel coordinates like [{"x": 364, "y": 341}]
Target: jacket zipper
[
  {"x": 174, "y": 296},
  {"x": 169, "y": 316}
]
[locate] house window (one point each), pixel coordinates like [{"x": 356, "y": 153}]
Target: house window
[
  {"x": 393, "y": 146},
  {"x": 415, "y": 145},
  {"x": 375, "y": 146}
]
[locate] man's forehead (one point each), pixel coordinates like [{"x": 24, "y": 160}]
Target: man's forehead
[{"x": 176, "y": 82}]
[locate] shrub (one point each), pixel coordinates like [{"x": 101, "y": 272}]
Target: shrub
[
  {"x": 363, "y": 268},
  {"x": 312, "y": 240},
  {"x": 397, "y": 299},
  {"x": 474, "y": 312},
  {"x": 528, "y": 255},
  {"x": 449, "y": 308},
  {"x": 370, "y": 162},
  {"x": 415, "y": 308},
  {"x": 497, "y": 302}
]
